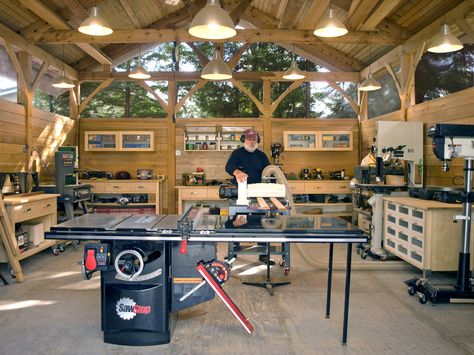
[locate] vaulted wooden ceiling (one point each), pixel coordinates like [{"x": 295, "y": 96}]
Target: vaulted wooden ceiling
[{"x": 376, "y": 26}]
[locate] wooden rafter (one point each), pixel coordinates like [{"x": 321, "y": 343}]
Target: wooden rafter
[
  {"x": 239, "y": 10},
  {"x": 201, "y": 56},
  {"x": 394, "y": 78},
  {"x": 291, "y": 13},
  {"x": 382, "y": 11},
  {"x": 37, "y": 79},
  {"x": 360, "y": 13},
  {"x": 232, "y": 62},
  {"x": 98, "y": 89},
  {"x": 248, "y": 35},
  {"x": 130, "y": 13},
  {"x": 199, "y": 84},
  {"x": 247, "y": 92},
  {"x": 58, "y": 23},
  {"x": 16, "y": 64},
  {"x": 157, "y": 97},
  {"x": 349, "y": 99},
  {"x": 191, "y": 7},
  {"x": 352, "y": 77},
  {"x": 314, "y": 15},
  {"x": 296, "y": 84}
]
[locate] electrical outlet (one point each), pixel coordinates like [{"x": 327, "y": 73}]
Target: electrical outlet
[{"x": 178, "y": 152}]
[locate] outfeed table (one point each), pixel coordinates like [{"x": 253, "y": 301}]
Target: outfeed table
[{"x": 196, "y": 225}]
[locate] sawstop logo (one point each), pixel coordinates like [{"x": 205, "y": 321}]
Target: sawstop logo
[{"x": 127, "y": 309}]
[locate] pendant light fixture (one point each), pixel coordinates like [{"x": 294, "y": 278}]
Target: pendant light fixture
[
  {"x": 293, "y": 72},
  {"x": 370, "y": 84},
  {"x": 63, "y": 81},
  {"x": 212, "y": 22},
  {"x": 216, "y": 69},
  {"x": 95, "y": 24},
  {"x": 330, "y": 26},
  {"x": 444, "y": 42},
  {"x": 139, "y": 72}
]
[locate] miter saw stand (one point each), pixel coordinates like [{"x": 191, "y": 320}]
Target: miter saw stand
[{"x": 452, "y": 141}]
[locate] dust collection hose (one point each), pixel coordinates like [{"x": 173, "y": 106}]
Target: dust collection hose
[{"x": 275, "y": 171}]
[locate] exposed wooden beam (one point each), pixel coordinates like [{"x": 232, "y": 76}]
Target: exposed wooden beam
[
  {"x": 393, "y": 28},
  {"x": 296, "y": 84},
  {"x": 232, "y": 62},
  {"x": 291, "y": 14},
  {"x": 45, "y": 13},
  {"x": 16, "y": 63},
  {"x": 314, "y": 14},
  {"x": 238, "y": 84},
  {"x": 44, "y": 67},
  {"x": 382, "y": 11},
  {"x": 247, "y": 35},
  {"x": 203, "y": 59},
  {"x": 356, "y": 19},
  {"x": 349, "y": 99},
  {"x": 18, "y": 41},
  {"x": 165, "y": 106},
  {"x": 191, "y": 7},
  {"x": 130, "y": 13},
  {"x": 395, "y": 79},
  {"x": 352, "y": 77},
  {"x": 98, "y": 89},
  {"x": 191, "y": 92},
  {"x": 239, "y": 10}
]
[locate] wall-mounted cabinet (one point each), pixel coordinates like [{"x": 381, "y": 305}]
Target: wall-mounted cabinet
[
  {"x": 108, "y": 141},
  {"x": 212, "y": 138},
  {"x": 297, "y": 141}
]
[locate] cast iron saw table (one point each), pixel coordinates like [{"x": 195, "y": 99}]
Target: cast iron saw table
[{"x": 197, "y": 226}]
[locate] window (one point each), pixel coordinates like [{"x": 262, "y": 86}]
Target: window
[
  {"x": 386, "y": 99},
  {"x": 440, "y": 74}
]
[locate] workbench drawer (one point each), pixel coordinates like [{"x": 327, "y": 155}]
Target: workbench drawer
[
  {"x": 213, "y": 194},
  {"x": 96, "y": 187},
  {"x": 142, "y": 187},
  {"x": 117, "y": 187},
  {"x": 33, "y": 209},
  {"x": 296, "y": 187},
  {"x": 193, "y": 194}
]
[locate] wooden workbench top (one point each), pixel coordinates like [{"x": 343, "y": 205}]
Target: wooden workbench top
[
  {"x": 197, "y": 187},
  {"x": 419, "y": 203},
  {"x": 16, "y": 200}
]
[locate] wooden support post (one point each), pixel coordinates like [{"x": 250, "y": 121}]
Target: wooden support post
[
  {"x": 267, "y": 117},
  {"x": 74, "y": 100},
  {"x": 171, "y": 146},
  {"x": 26, "y": 99}
]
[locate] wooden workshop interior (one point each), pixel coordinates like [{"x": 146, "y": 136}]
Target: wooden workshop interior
[{"x": 164, "y": 163}]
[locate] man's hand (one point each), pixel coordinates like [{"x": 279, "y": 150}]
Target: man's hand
[
  {"x": 240, "y": 176},
  {"x": 240, "y": 220}
]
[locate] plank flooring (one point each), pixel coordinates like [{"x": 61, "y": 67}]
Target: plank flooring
[{"x": 56, "y": 312}]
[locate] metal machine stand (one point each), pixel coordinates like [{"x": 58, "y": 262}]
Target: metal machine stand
[
  {"x": 267, "y": 284},
  {"x": 462, "y": 290}
]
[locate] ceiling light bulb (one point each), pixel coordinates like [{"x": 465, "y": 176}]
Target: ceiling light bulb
[
  {"x": 330, "y": 27},
  {"x": 370, "y": 84},
  {"x": 95, "y": 25},
  {"x": 63, "y": 81},
  {"x": 212, "y": 22},
  {"x": 445, "y": 42},
  {"x": 216, "y": 69},
  {"x": 139, "y": 72},
  {"x": 293, "y": 72}
]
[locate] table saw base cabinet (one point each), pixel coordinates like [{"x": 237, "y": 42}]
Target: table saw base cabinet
[{"x": 137, "y": 312}]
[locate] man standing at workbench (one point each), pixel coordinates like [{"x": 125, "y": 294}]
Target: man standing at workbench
[{"x": 247, "y": 163}]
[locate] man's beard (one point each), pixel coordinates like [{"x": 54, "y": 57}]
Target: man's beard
[{"x": 250, "y": 148}]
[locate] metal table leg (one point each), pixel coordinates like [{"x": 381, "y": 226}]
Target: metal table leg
[
  {"x": 347, "y": 292},
  {"x": 329, "y": 288}
]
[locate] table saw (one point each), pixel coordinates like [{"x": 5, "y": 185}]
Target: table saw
[{"x": 155, "y": 265}]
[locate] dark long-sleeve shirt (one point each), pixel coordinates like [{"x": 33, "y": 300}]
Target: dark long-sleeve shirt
[{"x": 250, "y": 163}]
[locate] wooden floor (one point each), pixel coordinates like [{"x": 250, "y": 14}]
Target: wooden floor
[{"x": 56, "y": 312}]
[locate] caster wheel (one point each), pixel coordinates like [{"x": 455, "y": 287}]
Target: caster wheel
[
  {"x": 287, "y": 271},
  {"x": 411, "y": 290},
  {"x": 422, "y": 297},
  {"x": 363, "y": 256},
  {"x": 282, "y": 263},
  {"x": 383, "y": 257},
  {"x": 56, "y": 251},
  {"x": 13, "y": 274},
  {"x": 75, "y": 244},
  {"x": 62, "y": 248}
]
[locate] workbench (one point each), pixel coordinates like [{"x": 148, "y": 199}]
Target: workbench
[{"x": 198, "y": 228}]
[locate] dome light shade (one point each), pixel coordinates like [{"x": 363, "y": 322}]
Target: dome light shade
[
  {"x": 95, "y": 25},
  {"x": 139, "y": 72},
  {"x": 330, "y": 27},
  {"x": 63, "y": 81},
  {"x": 370, "y": 84},
  {"x": 293, "y": 72},
  {"x": 216, "y": 69},
  {"x": 212, "y": 22},
  {"x": 445, "y": 42}
]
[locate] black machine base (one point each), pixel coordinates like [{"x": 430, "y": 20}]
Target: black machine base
[{"x": 438, "y": 293}]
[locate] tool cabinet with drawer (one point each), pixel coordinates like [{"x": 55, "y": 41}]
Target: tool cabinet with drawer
[{"x": 422, "y": 232}]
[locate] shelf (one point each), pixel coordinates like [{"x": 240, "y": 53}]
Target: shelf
[
  {"x": 323, "y": 204},
  {"x": 118, "y": 205},
  {"x": 31, "y": 251}
]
